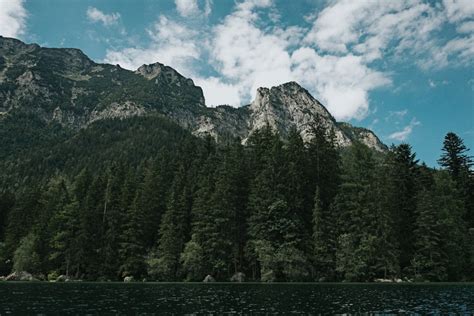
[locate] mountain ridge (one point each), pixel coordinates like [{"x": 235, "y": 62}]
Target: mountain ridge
[{"x": 66, "y": 86}]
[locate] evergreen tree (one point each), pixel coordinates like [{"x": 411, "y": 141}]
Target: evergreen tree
[
  {"x": 429, "y": 261},
  {"x": 64, "y": 243},
  {"x": 26, "y": 257},
  {"x": 21, "y": 221},
  {"x": 132, "y": 249},
  {"x": 112, "y": 221},
  {"x": 323, "y": 241},
  {"x": 164, "y": 263},
  {"x": 356, "y": 206},
  {"x": 458, "y": 163},
  {"x": 204, "y": 231},
  {"x": 52, "y": 202},
  {"x": 275, "y": 229},
  {"x": 453, "y": 228},
  {"x": 91, "y": 231},
  {"x": 454, "y": 157}
]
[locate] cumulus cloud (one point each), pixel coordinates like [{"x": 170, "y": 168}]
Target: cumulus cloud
[
  {"x": 458, "y": 10},
  {"x": 405, "y": 132},
  {"x": 171, "y": 43},
  {"x": 246, "y": 55},
  {"x": 343, "y": 82},
  {"x": 217, "y": 92},
  {"x": 398, "y": 115},
  {"x": 368, "y": 28},
  {"x": 95, "y": 15},
  {"x": 190, "y": 8},
  {"x": 187, "y": 7},
  {"x": 335, "y": 58},
  {"x": 12, "y": 18}
]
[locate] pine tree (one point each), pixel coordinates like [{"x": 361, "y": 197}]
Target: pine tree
[
  {"x": 459, "y": 164},
  {"x": 112, "y": 221},
  {"x": 403, "y": 175},
  {"x": 21, "y": 221},
  {"x": 132, "y": 248},
  {"x": 275, "y": 228},
  {"x": 323, "y": 243},
  {"x": 229, "y": 205},
  {"x": 64, "y": 243},
  {"x": 454, "y": 157},
  {"x": 164, "y": 263},
  {"x": 26, "y": 257},
  {"x": 452, "y": 225},
  {"x": 53, "y": 200},
  {"x": 429, "y": 261},
  {"x": 356, "y": 206},
  {"x": 91, "y": 231},
  {"x": 204, "y": 236}
]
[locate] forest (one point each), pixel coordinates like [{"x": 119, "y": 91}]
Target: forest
[{"x": 120, "y": 200}]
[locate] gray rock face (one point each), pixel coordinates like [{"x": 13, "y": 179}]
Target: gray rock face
[
  {"x": 282, "y": 108},
  {"x": 209, "y": 278},
  {"x": 238, "y": 277},
  {"x": 20, "y": 276},
  {"x": 62, "y": 278},
  {"x": 65, "y": 86}
]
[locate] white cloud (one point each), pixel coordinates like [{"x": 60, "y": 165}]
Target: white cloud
[
  {"x": 397, "y": 114},
  {"x": 12, "y": 18},
  {"x": 458, "y": 51},
  {"x": 369, "y": 28},
  {"x": 405, "y": 132},
  {"x": 208, "y": 7},
  {"x": 458, "y": 10},
  {"x": 342, "y": 82},
  {"x": 217, "y": 93},
  {"x": 190, "y": 8},
  {"x": 334, "y": 58},
  {"x": 466, "y": 27},
  {"x": 95, "y": 15},
  {"x": 246, "y": 55},
  {"x": 187, "y": 7},
  {"x": 171, "y": 43}
]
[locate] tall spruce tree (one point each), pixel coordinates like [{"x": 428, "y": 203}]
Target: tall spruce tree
[
  {"x": 164, "y": 262},
  {"x": 429, "y": 260},
  {"x": 355, "y": 206},
  {"x": 275, "y": 228}
]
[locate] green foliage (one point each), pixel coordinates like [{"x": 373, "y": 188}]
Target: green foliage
[
  {"x": 25, "y": 257},
  {"x": 428, "y": 263},
  {"x": 142, "y": 197},
  {"x": 193, "y": 261}
]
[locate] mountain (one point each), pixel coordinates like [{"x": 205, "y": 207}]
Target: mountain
[{"x": 63, "y": 85}]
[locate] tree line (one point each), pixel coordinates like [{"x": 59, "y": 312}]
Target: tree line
[{"x": 273, "y": 209}]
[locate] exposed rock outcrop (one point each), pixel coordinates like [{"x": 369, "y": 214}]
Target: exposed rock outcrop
[
  {"x": 209, "y": 278},
  {"x": 20, "y": 276},
  {"x": 65, "y": 86},
  {"x": 238, "y": 277}
]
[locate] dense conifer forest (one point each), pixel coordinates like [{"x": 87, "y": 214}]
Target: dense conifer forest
[{"x": 142, "y": 197}]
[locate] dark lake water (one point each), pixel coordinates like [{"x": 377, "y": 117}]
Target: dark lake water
[{"x": 228, "y": 299}]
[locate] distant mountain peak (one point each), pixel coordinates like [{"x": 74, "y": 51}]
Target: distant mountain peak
[{"x": 64, "y": 85}]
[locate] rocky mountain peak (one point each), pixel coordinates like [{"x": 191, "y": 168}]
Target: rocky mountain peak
[
  {"x": 162, "y": 72},
  {"x": 64, "y": 85},
  {"x": 288, "y": 105}
]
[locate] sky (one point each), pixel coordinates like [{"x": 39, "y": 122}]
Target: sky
[{"x": 404, "y": 69}]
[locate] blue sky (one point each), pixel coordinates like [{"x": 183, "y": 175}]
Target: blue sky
[{"x": 401, "y": 68}]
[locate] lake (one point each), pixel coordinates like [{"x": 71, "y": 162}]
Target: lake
[{"x": 224, "y": 298}]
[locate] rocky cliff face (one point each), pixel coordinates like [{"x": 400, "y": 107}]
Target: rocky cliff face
[{"x": 64, "y": 85}]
